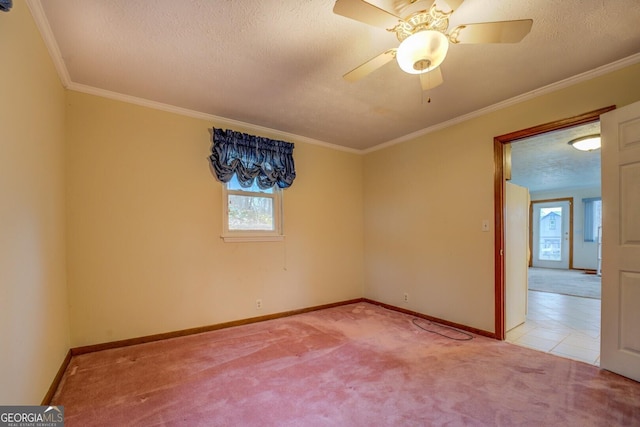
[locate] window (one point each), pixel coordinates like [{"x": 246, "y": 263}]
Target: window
[
  {"x": 253, "y": 171},
  {"x": 251, "y": 214},
  {"x": 550, "y": 234},
  {"x": 592, "y": 218}
]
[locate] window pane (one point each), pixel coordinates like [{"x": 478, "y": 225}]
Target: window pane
[
  {"x": 597, "y": 217},
  {"x": 550, "y": 234},
  {"x": 234, "y": 184},
  {"x": 592, "y": 219},
  {"x": 251, "y": 213}
]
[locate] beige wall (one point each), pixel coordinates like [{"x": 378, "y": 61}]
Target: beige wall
[
  {"x": 34, "y": 326},
  {"x": 143, "y": 217},
  {"x": 423, "y": 214},
  {"x": 144, "y": 223}
]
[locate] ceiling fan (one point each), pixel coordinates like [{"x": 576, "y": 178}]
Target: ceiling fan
[{"x": 423, "y": 36}]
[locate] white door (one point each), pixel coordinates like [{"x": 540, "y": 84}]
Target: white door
[
  {"x": 620, "y": 339},
  {"x": 550, "y": 237},
  {"x": 516, "y": 250}
]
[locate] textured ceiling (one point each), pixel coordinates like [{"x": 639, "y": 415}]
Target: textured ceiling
[
  {"x": 547, "y": 162},
  {"x": 278, "y": 64}
]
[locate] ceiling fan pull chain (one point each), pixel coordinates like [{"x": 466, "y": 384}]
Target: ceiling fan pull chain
[{"x": 423, "y": 94}]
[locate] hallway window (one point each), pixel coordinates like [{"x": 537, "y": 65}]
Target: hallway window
[{"x": 592, "y": 218}]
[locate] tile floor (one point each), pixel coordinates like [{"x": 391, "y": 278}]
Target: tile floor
[{"x": 563, "y": 325}]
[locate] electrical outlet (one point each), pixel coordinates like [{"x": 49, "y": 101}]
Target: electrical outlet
[
  {"x": 405, "y": 297},
  {"x": 258, "y": 304}
]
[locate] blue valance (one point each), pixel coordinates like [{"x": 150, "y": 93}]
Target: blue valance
[
  {"x": 5, "y": 5},
  {"x": 268, "y": 161}
]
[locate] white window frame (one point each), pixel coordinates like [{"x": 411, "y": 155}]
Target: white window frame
[
  {"x": 253, "y": 235},
  {"x": 591, "y": 235}
]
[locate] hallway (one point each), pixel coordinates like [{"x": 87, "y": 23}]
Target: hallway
[{"x": 564, "y": 325}]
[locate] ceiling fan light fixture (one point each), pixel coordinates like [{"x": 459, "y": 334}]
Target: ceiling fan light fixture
[
  {"x": 586, "y": 143},
  {"x": 422, "y": 51}
]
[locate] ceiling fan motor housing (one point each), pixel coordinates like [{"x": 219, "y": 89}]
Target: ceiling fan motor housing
[
  {"x": 432, "y": 19},
  {"x": 423, "y": 34},
  {"x": 424, "y": 44},
  {"x": 422, "y": 51}
]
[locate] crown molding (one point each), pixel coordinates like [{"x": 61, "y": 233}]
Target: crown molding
[
  {"x": 35, "y": 7},
  {"x": 223, "y": 121},
  {"x": 218, "y": 120},
  {"x": 570, "y": 81},
  {"x": 42, "y": 23}
]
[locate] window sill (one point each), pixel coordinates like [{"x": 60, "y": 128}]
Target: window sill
[{"x": 230, "y": 239}]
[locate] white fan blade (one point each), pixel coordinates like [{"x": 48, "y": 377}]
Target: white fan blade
[
  {"x": 365, "y": 12},
  {"x": 431, "y": 79},
  {"x": 370, "y": 66},
  {"x": 454, "y": 4},
  {"x": 492, "y": 32},
  {"x": 402, "y": 7}
]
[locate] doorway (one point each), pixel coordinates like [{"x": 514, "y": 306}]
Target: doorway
[
  {"x": 552, "y": 233},
  {"x": 563, "y": 324},
  {"x": 563, "y": 304},
  {"x": 502, "y": 171}
]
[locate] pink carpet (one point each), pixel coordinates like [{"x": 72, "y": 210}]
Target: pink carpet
[{"x": 354, "y": 365}]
